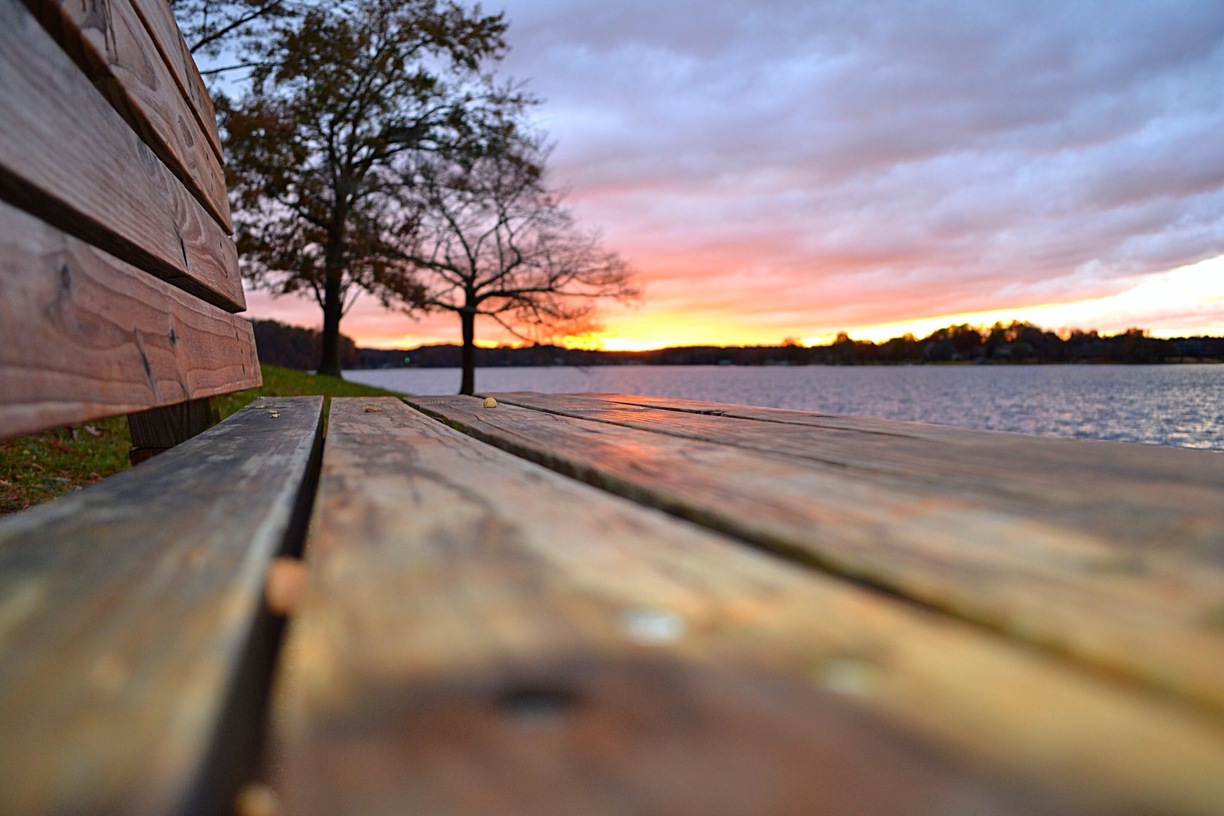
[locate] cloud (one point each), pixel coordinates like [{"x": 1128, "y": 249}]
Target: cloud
[
  {"x": 807, "y": 165},
  {"x": 953, "y": 128}
]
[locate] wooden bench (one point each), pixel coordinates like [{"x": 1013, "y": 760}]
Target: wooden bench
[
  {"x": 133, "y": 644},
  {"x": 583, "y": 604}
]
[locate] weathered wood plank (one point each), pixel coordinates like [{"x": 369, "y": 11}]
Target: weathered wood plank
[
  {"x": 1165, "y": 486},
  {"x": 69, "y": 158},
  {"x": 478, "y": 635},
  {"x": 111, "y": 44},
  {"x": 1028, "y": 566},
  {"x": 131, "y": 622},
  {"x": 888, "y": 427},
  {"x": 86, "y": 335},
  {"x": 160, "y": 23}
]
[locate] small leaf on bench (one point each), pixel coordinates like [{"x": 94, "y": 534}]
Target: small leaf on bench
[
  {"x": 286, "y": 577},
  {"x": 256, "y": 800}
]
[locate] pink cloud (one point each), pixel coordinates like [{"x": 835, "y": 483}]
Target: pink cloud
[{"x": 791, "y": 164}]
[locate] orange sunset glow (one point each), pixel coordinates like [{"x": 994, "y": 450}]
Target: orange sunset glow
[{"x": 797, "y": 169}]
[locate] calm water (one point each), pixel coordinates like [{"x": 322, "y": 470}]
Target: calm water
[{"x": 1164, "y": 405}]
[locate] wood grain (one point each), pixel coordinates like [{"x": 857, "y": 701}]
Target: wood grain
[
  {"x": 479, "y": 635},
  {"x": 86, "y": 335},
  {"x": 130, "y": 619},
  {"x": 69, "y": 158},
  {"x": 1141, "y": 607},
  {"x": 1013, "y": 472},
  {"x": 160, "y": 23},
  {"x": 111, "y": 44}
]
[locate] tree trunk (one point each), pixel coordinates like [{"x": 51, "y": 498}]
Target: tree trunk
[
  {"x": 333, "y": 306},
  {"x": 467, "y": 355}
]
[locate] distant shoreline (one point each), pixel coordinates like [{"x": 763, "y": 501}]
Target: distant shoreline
[
  {"x": 877, "y": 364},
  {"x": 1147, "y": 351},
  {"x": 954, "y": 364},
  {"x": 1014, "y": 344}
]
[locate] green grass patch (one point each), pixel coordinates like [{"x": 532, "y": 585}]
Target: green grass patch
[
  {"x": 288, "y": 382},
  {"x": 39, "y": 467},
  {"x": 36, "y": 468}
]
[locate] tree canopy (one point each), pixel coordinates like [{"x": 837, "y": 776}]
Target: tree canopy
[
  {"x": 234, "y": 28},
  {"x": 342, "y": 101},
  {"x": 492, "y": 240}
]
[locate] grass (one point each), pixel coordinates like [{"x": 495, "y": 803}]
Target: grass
[{"x": 37, "y": 468}]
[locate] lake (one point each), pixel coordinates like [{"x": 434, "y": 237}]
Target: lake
[{"x": 1179, "y": 405}]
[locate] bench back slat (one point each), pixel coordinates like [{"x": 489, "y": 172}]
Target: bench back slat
[
  {"x": 87, "y": 335},
  {"x": 159, "y": 22},
  {"x": 69, "y": 158},
  {"x": 120, "y": 278},
  {"x": 116, "y": 51}
]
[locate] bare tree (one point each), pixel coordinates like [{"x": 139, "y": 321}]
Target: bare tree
[
  {"x": 317, "y": 146},
  {"x": 235, "y": 28},
  {"x": 491, "y": 239}
]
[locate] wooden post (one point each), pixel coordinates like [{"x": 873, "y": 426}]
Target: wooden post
[{"x": 159, "y": 429}]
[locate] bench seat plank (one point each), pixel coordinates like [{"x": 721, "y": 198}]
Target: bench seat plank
[
  {"x": 986, "y": 461},
  {"x": 1035, "y": 566},
  {"x": 130, "y": 616},
  {"x": 479, "y": 635},
  {"x": 69, "y": 158},
  {"x": 116, "y": 51},
  {"x": 1013, "y": 472},
  {"x": 87, "y": 336}
]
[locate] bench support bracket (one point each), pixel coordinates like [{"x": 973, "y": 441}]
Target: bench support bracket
[{"x": 159, "y": 429}]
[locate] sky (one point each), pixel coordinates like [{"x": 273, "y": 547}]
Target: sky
[{"x": 795, "y": 168}]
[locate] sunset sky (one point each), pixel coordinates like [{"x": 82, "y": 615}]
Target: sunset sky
[{"x": 795, "y": 168}]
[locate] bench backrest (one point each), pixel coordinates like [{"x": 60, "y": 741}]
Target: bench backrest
[{"x": 119, "y": 281}]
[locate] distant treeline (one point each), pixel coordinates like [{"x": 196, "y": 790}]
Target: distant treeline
[
  {"x": 1020, "y": 342},
  {"x": 1016, "y": 343},
  {"x": 295, "y": 347}
]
